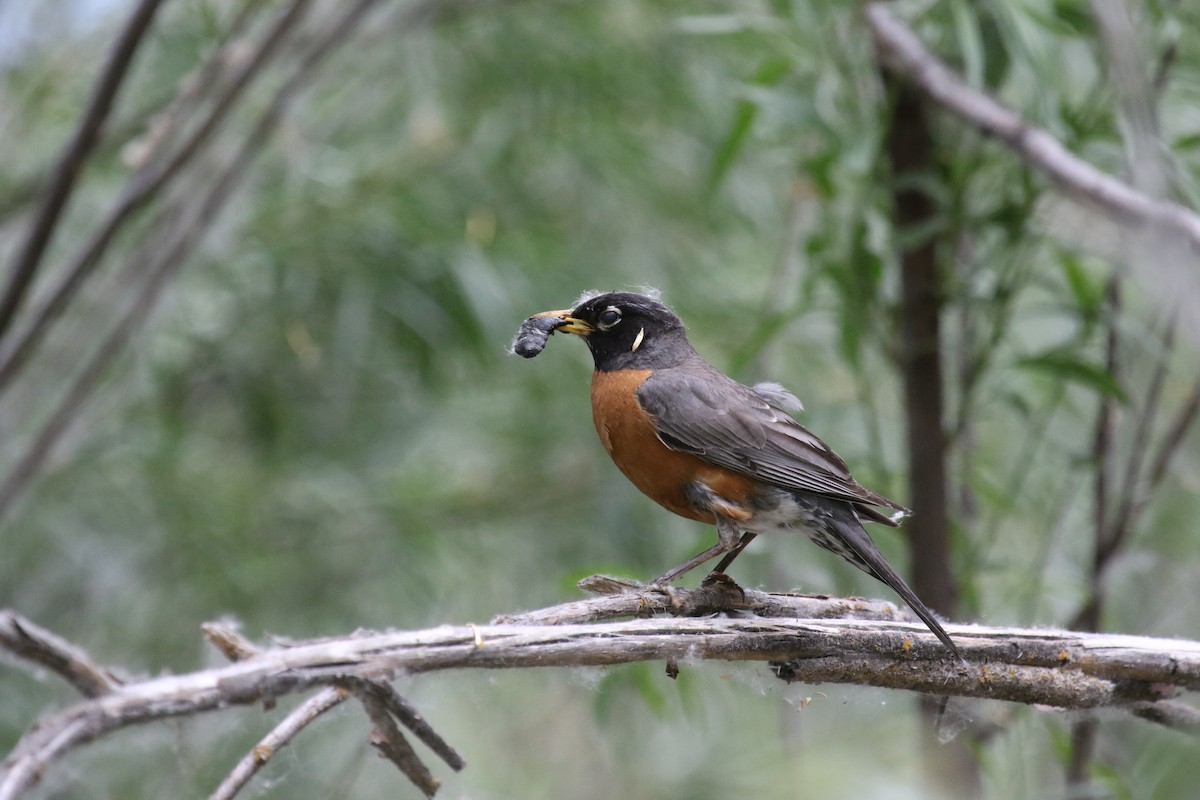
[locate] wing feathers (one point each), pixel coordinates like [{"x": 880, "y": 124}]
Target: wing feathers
[{"x": 698, "y": 410}]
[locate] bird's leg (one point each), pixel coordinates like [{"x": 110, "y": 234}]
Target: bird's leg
[
  {"x": 671, "y": 574},
  {"x": 747, "y": 537},
  {"x": 727, "y": 542}
]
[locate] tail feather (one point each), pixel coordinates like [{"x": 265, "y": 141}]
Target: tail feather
[{"x": 851, "y": 541}]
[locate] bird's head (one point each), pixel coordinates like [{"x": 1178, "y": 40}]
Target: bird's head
[{"x": 625, "y": 330}]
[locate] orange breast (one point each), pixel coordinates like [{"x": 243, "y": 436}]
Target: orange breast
[{"x": 661, "y": 473}]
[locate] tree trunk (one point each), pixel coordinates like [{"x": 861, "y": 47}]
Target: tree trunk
[{"x": 910, "y": 148}]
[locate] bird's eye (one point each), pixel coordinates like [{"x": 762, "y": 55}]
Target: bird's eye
[{"x": 609, "y": 317}]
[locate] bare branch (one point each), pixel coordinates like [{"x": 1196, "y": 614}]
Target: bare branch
[
  {"x": 621, "y": 598},
  {"x": 1170, "y": 714},
  {"x": 237, "y": 647},
  {"x": 304, "y": 714},
  {"x": 165, "y": 264},
  {"x": 167, "y": 261},
  {"x": 380, "y": 700},
  {"x": 391, "y": 744},
  {"x": 232, "y": 644},
  {"x": 34, "y": 643},
  {"x": 1172, "y": 439},
  {"x": 905, "y": 54},
  {"x": 1050, "y": 668},
  {"x": 155, "y": 120},
  {"x": 143, "y": 186},
  {"x": 160, "y": 169},
  {"x": 403, "y": 711},
  {"x": 1124, "y": 521},
  {"x": 210, "y": 78},
  {"x": 62, "y": 182}
]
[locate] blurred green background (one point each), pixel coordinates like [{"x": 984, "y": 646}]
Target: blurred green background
[{"x": 321, "y": 428}]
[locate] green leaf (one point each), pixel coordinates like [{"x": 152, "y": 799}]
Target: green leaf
[
  {"x": 1069, "y": 367},
  {"x": 1088, "y": 294},
  {"x": 970, "y": 42},
  {"x": 1186, "y": 142},
  {"x": 1075, "y": 18},
  {"x": 743, "y": 121},
  {"x": 1018, "y": 404},
  {"x": 995, "y": 46},
  {"x": 769, "y": 73}
]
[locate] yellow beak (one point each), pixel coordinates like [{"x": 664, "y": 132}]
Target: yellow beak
[{"x": 569, "y": 324}]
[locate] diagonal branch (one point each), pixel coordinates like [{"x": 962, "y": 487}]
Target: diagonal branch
[
  {"x": 273, "y": 742},
  {"x": 386, "y": 736},
  {"x": 47, "y": 649},
  {"x": 383, "y": 704},
  {"x": 1121, "y": 526},
  {"x": 1171, "y": 441},
  {"x": 906, "y": 55},
  {"x": 145, "y": 184},
  {"x": 166, "y": 262},
  {"x": 62, "y": 180}
]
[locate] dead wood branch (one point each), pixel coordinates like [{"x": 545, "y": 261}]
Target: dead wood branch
[
  {"x": 383, "y": 704},
  {"x": 34, "y": 643},
  {"x": 273, "y": 742},
  {"x": 620, "y": 598},
  {"x": 1061, "y": 669}
]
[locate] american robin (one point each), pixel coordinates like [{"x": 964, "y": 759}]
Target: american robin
[{"x": 711, "y": 449}]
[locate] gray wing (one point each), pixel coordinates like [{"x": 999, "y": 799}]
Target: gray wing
[{"x": 699, "y": 410}]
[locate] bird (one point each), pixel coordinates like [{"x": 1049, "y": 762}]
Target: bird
[{"x": 711, "y": 449}]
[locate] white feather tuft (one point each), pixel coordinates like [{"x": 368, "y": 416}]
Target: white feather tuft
[
  {"x": 586, "y": 295},
  {"x": 777, "y": 396},
  {"x": 649, "y": 291}
]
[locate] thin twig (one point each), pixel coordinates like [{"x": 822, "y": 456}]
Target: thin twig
[
  {"x": 1171, "y": 441},
  {"x": 291, "y": 726},
  {"x": 70, "y": 164},
  {"x": 230, "y": 641},
  {"x": 382, "y": 695},
  {"x": 156, "y": 120},
  {"x": 1170, "y": 714},
  {"x": 403, "y": 711},
  {"x": 170, "y": 259},
  {"x": 146, "y": 183},
  {"x": 1104, "y": 530},
  {"x": 237, "y": 647},
  {"x": 164, "y": 267},
  {"x": 1124, "y": 520},
  {"x": 209, "y": 78},
  {"x": 388, "y": 739},
  {"x": 1113, "y": 518}
]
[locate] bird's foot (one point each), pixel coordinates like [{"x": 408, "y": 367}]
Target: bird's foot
[
  {"x": 674, "y": 596},
  {"x": 720, "y": 583}
]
